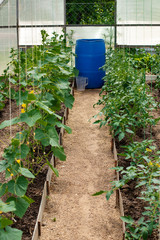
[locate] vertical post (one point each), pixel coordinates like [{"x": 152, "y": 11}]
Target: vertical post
[
  {"x": 65, "y": 19},
  {"x": 17, "y": 22},
  {"x": 115, "y": 24}
]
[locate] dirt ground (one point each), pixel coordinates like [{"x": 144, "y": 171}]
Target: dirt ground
[{"x": 72, "y": 213}]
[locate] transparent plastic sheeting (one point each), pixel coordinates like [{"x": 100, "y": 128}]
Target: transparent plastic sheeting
[
  {"x": 92, "y": 32},
  {"x": 138, "y": 12},
  {"x": 40, "y": 12},
  {"x": 8, "y": 39},
  {"x": 32, "y": 36},
  {"x": 138, "y": 36},
  {"x": 8, "y": 13}
]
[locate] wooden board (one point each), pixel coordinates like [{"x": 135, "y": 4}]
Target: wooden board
[
  {"x": 119, "y": 200},
  {"x": 37, "y": 229}
]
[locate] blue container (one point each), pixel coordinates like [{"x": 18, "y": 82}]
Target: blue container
[{"x": 90, "y": 57}]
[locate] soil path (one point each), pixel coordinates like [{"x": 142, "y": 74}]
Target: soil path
[{"x": 71, "y": 212}]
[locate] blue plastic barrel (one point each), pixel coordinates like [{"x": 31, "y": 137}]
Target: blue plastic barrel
[{"x": 90, "y": 56}]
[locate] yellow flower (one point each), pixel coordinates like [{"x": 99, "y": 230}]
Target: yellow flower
[
  {"x": 158, "y": 165},
  {"x": 139, "y": 89},
  {"x": 20, "y": 132},
  {"x": 22, "y": 110},
  {"x": 11, "y": 174},
  {"x": 46, "y": 50},
  {"x": 150, "y": 164},
  {"x": 31, "y": 92},
  {"x": 33, "y": 150},
  {"x": 24, "y": 105},
  {"x": 1, "y": 212},
  {"x": 18, "y": 161},
  {"x": 27, "y": 143},
  {"x": 8, "y": 170},
  {"x": 148, "y": 150}
]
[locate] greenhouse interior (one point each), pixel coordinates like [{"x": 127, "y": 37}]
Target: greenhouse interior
[{"x": 79, "y": 120}]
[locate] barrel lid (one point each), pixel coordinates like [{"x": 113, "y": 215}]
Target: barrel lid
[{"x": 90, "y": 40}]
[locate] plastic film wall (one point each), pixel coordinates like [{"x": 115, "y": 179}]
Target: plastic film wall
[
  {"x": 134, "y": 12},
  {"x": 8, "y": 32},
  {"x": 35, "y": 15},
  {"x": 32, "y": 16}
]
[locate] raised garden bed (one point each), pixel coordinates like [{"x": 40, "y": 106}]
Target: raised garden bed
[
  {"x": 126, "y": 197},
  {"x": 30, "y": 224}
]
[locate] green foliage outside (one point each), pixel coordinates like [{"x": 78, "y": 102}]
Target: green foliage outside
[{"x": 90, "y": 12}]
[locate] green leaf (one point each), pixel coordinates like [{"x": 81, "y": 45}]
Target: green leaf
[
  {"x": 68, "y": 129},
  {"x": 156, "y": 181},
  {"x": 18, "y": 187},
  {"x": 11, "y": 80},
  {"x": 53, "y": 169},
  {"x": 3, "y": 165},
  {"x": 23, "y": 151},
  {"x": 42, "y": 137},
  {"x": 121, "y": 136},
  {"x": 21, "y": 206},
  {"x": 2, "y": 105},
  {"x": 25, "y": 172},
  {"x": 136, "y": 236},
  {"x": 2, "y": 189},
  {"x": 47, "y": 109},
  {"x": 109, "y": 193},
  {"x": 30, "y": 117},
  {"x": 9, "y": 122},
  {"x": 127, "y": 219},
  {"x": 4, "y": 222},
  {"x": 53, "y": 137},
  {"x": 7, "y": 207},
  {"x": 31, "y": 97},
  {"x": 118, "y": 169},
  {"x": 21, "y": 99},
  {"x": 141, "y": 184},
  {"x": 63, "y": 84},
  {"x": 10, "y": 233},
  {"x": 9, "y": 156},
  {"x": 150, "y": 228},
  {"x": 27, "y": 199},
  {"x": 99, "y": 193},
  {"x": 59, "y": 152},
  {"x": 145, "y": 233},
  {"x": 69, "y": 100},
  {"x": 129, "y": 131},
  {"x": 64, "y": 71},
  {"x": 141, "y": 220}
]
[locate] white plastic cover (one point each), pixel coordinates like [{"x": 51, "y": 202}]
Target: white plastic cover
[
  {"x": 40, "y": 12},
  {"x": 8, "y": 40},
  {"x": 32, "y": 36},
  {"x": 136, "y": 36},
  {"x": 138, "y": 11},
  {"x": 8, "y": 13}
]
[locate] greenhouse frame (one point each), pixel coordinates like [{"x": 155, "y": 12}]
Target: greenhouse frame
[{"x": 136, "y": 24}]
